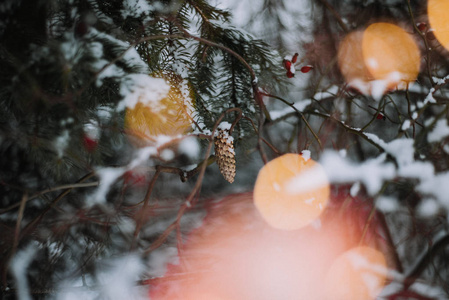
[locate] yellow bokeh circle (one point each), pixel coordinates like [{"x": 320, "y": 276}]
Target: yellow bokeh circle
[
  {"x": 168, "y": 116},
  {"x": 291, "y": 192}
]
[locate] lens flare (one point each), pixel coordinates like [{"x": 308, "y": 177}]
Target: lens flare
[
  {"x": 291, "y": 192},
  {"x": 437, "y": 12},
  {"x": 357, "y": 274},
  {"x": 236, "y": 255}
]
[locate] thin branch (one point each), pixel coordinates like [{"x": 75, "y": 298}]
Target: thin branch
[
  {"x": 423, "y": 36},
  {"x": 425, "y": 260},
  {"x": 49, "y": 190},
  {"x": 292, "y": 105},
  {"x": 140, "y": 218},
  {"x": 189, "y": 203},
  {"x": 18, "y": 223},
  {"x": 336, "y": 15}
]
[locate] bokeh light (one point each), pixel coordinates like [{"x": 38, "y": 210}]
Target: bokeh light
[
  {"x": 352, "y": 64},
  {"x": 236, "y": 255},
  {"x": 437, "y": 11},
  {"x": 380, "y": 58},
  {"x": 291, "y": 192},
  {"x": 358, "y": 274},
  {"x": 391, "y": 54},
  {"x": 168, "y": 116}
]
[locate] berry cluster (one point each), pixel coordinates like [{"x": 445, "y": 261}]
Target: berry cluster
[{"x": 289, "y": 66}]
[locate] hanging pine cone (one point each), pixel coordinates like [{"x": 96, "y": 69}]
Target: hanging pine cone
[{"x": 225, "y": 155}]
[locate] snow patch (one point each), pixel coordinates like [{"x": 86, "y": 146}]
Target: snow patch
[
  {"x": 19, "y": 266},
  {"x": 142, "y": 88},
  {"x": 308, "y": 180},
  {"x": 440, "y": 131}
]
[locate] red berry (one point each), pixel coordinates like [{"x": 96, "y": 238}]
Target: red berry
[
  {"x": 380, "y": 116},
  {"x": 295, "y": 57},
  {"x": 306, "y": 69},
  {"x": 287, "y": 64},
  {"x": 90, "y": 144},
  {"x": 290, "y": 74},
  {"x": 422, "y": 26},
  {"x": 430, "y": 35}
]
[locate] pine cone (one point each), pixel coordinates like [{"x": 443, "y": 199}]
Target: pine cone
[{"x": 225, "y": 155}]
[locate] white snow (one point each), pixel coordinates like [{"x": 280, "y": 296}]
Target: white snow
[
  {"x": 387, "y": 204},
  {"x": 440, "y": 131},
  {"x": 306, "y": 154},
  {"x": 429, "y": 98},
  {"x": 142, "y": 88},
  {"x": 92, "y": 129},
  {"x": 61, "y": 142},
  {"x": 141, "y": 156},
  {"x": 355, "y": 188},
  {"x": 19, "y": 266},
  {"x": 224, "y": 126},
  {"x": 440, "y": 81},
  {"x": 372, "y": 173},
  {"x": 438, "y": 187},
  {"x": 406, "y": 125},
  {"x": 330, "y": 92},
  {"x": 135, "y": 8},
  {"x": 107, "y": 177},
  {"x": 167, "y": 154},
  {"x": 300, "y": 106},
  {"x": 106, "y": 70},
  {"x": 428, "y": 208},
  {"x": 118, "y": 281},
  {"x": 159, "y": 258},
  {"x": 190, "y": 147},
  {"x": 308, "y": 180}
]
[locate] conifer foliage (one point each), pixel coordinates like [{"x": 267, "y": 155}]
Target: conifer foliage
[
  {"x": 117, "y": 118},
  {"x": 74, "y": 75}
]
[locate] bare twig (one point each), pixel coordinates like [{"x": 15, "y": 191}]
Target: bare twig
[
  {"x": 53, "y": 189},
  {"x": 425, "y": 260},
  {"x": 336, "y": 15},
  {"x": 189, "y": 203},
  {"x": 300, "y": 114}
]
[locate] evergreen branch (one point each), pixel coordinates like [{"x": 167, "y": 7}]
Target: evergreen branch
[{"x": 189, "y": 203}]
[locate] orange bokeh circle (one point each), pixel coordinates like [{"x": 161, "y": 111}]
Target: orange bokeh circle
[
  {"x": 437, "y": 12},
  {"x": 379, "y": 59},
  {"x": 390, "y": 54},
  {"x": 291, "y": 192},
  {"x": 351, "y": 62},
  {"x": 358, "y": 274}
]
